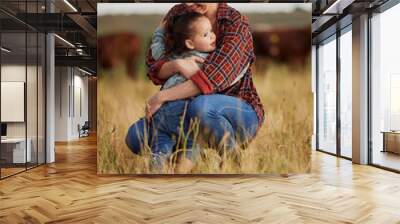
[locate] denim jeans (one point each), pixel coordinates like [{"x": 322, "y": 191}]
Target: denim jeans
[
  {"x": 225, "y": 122},
  {"x": 161, "y": 133}
]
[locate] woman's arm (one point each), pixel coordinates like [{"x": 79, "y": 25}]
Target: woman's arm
[
  {"x": 181, "y": 91},
  {"x": 185, "y": 66}
]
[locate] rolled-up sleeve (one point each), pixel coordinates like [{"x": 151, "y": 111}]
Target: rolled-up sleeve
[{"x": 153, "y": 68}]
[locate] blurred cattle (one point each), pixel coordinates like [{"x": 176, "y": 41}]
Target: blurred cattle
[
  {"x": 122, "y": 49},
  {"x": 285, "y": 45}
]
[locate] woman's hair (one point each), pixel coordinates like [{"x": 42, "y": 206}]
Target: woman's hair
[{"x": 178, "y": 29}]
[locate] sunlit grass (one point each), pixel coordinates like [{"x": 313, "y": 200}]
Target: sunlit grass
[{"x": 282, "y": 144}]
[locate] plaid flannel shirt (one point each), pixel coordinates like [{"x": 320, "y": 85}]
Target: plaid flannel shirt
[{"x": 234, "y": 52}]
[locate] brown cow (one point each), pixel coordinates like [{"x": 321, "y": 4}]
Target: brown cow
[
  {"x": 286, "y": 45},
  {"x": 119, "y": 49}
]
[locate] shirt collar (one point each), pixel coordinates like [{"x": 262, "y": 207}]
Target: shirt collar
[{"x": 223, "y": 11}]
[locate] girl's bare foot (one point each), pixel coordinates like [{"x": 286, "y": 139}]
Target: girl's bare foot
[
  {"x": 184, "y": 165},
  {"x": 168, "y": 167}
]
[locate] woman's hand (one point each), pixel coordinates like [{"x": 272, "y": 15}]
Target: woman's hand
[
  {"x": 153, "y": 104},
  {"x": 188, "y": 66}
]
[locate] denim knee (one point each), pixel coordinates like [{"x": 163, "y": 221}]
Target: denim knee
[
  {"x": 212, "y": 125},
  {"x": 135, "y": 138},
  {"x": 200, "y": 107}
]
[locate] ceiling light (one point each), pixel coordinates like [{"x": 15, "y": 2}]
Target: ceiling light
[
  {"x": 5, "y": 50},
  {"x": 64, "y": 40},
  {"x": 84, "y": 71},
  {"x": 70, "y": 5},
  {"x": 337, "y": 7}
]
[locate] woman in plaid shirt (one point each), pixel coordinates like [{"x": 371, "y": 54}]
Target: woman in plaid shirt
[{"x": 227, "y": 105}]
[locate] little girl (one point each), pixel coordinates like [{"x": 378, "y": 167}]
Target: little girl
[{"x": 189, "y": 34}]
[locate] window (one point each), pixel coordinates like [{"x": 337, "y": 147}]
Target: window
[
  {"x": 327, "y": 96},
  {"x": 346, "y": 93},
  {"x": 385, "y": 89}
]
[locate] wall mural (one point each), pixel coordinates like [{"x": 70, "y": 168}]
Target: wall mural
[{"x": 204, "y": 88}]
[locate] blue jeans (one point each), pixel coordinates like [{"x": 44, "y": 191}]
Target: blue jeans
[
  {"x": 161, "y": 133},
  {"x": 225, "y": 121}
]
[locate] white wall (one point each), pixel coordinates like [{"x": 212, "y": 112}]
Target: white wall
[
  {"x": 13, "y": 73},
  {"x": 16, "y": 73},
  {"x": 80, "y": 102},
  {"x": 71, "y": 93},
  {"x": 62, "y": 81}
]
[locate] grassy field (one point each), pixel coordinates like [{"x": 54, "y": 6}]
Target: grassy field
[
  {"x": 282, "y": 145},
  {"x": 145, "y": 24}
]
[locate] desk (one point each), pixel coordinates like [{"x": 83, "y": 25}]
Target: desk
[
  {"x": 13, "y": 150},
  {"x": 391, "y": 141}
]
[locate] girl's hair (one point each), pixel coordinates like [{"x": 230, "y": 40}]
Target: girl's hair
[{"x": 178, "y": 29}]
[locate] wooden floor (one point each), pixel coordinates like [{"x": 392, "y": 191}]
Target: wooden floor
[
  {"x": 69, "y": 191},
  {"x": 387, "y": 159},
  {"x": 10, "y": 171}
]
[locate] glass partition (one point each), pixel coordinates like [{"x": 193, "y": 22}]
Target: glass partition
[
  {"x": 14, "y": 145},
  {"x": 22, "y": 77},
  {"x": 327, "y": 95}
]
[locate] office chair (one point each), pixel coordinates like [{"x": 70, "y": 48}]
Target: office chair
[{"x": 84, "y": 130}]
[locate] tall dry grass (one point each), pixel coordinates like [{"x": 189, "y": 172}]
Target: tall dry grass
[{"x": 282, "y": 144}]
